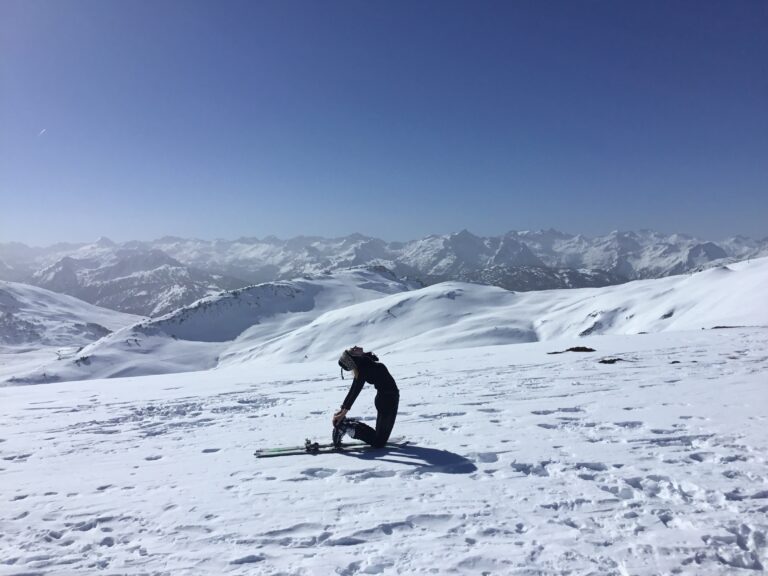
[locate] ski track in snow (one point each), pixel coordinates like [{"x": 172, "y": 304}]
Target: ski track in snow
[{"x": 521, "y": 463}]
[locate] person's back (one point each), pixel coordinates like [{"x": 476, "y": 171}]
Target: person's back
[
  {"x": 367, "y": 368},
  {"x": 376, "y": 373}
]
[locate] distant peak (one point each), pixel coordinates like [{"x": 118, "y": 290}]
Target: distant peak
[
  {"x": 104, "y": 242},
  {"x": 464, "y": 233}
]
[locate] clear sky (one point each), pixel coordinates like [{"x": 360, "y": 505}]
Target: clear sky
[{"x": 134, "y": 119}]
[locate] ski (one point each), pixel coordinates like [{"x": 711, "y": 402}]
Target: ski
[{"x": 317, "y": 448}]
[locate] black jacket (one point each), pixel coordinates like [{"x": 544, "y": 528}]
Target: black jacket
[{"x": 374, "y": 373}]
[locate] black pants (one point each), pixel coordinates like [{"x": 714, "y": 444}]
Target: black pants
[{"x": 386, "y": 408}]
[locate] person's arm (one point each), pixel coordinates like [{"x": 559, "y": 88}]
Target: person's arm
[{"x": 354, "y": 391}]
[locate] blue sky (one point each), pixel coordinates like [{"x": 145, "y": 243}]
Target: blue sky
[{"x": 220, "y": 119}]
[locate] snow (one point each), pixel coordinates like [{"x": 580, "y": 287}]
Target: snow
[
  {"x": 52, "y": 311},
  {"x": 647, "y": 455},
  {"x": 519, "y": 462},
  {"x": 310, "y": 319},
  {"x": 216, "y": 328},
  {"x": 91, "y": 271},
  {"x": 37, "y": 326}
]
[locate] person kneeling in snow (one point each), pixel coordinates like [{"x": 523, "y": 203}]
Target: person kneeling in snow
[{"x": 367, "y": 368}]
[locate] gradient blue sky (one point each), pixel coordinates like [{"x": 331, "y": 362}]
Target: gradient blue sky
[{"x": 218, "y": 119}]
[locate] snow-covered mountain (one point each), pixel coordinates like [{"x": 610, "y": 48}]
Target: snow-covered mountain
[
  {"x": 202, "y": 335},
  {"x": 271, "y": 259},
  {"x": 626, "y": 255},
  {"x": 635, "y": 255},
  {"x": 440, "y": 258},
  {"x": 39, "y": 327},
  {"x": 7, "y": 272},
  {"x": 313, "y": 319},
  {"x": 32, "y": 317},
  {"x": 138, "y": 281},
  {"x": 153, "y": 278}
]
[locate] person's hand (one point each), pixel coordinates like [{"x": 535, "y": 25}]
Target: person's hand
[{"x": 339, "y": 416}]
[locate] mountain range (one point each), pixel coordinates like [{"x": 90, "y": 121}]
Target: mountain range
[
  {"x": 153, "y": 278},
  {"x": 310, "y": 319}
]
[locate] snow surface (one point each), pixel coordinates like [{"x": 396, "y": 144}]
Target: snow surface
[
  {"x": 313, "y": 319},
  {"x": 645, "y": 456},
  {"x": 196, "y": 337},
  {"x": 50, "y": 317},
  {"x": 38, "y": 326},
  {"x": 520, "y": 462}
]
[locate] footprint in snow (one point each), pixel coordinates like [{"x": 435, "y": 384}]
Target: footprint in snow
[
  {"x": 386, "y": 529},
  {"x": 441, "y": 415},
  {"x": 430, "y": 521},
  {"x": 319, "y": 472},
  {"x": 531, "y": 469},
  {"x": 593, "y": 466},
  {"x": 250, "y": 559},
  {"x": 301, "y": 529},
  {"x": 703, "y": 456},
  {"x": 360, "y": 475},
  {"x": 629, "y": 424},
  {"x": 17, "y": 457},
  {"x": 485, "y": 457},
  {"x": 375, "y": 566},
  {"x": 735, "y": 458}
]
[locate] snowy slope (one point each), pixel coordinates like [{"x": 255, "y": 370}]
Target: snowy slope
[
  {"x": 196, "y": 336},
  {"x": 453, "y": 314},
  {"x": 32, "y": 317},
  {"x": 297, "y": 326},
  {"x": 39, "y": 327},
  {"x": 520, "y": 463}
]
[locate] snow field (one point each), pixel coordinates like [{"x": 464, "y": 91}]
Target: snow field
[{"x": 521, "y": 462}]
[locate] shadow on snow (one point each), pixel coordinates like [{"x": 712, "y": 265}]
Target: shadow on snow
[{"x": 421, "y": 458}]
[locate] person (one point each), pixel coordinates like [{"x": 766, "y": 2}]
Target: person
[{"x": 366, "y": 368}]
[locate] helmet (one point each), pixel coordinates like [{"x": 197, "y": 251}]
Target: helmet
[
  {"x": 347, "y": 358},
  {"x": 346, "y": 361}
]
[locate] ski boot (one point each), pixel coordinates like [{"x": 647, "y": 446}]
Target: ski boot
[{"x": 346, "y": 426}]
